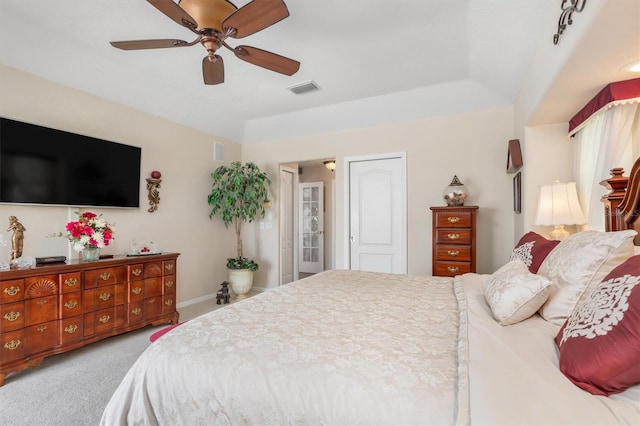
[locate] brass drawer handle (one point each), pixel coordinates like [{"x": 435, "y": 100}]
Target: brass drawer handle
[
  {"x": 11, "y": 316},
  {"x": 104, "y": 319},
  {"x": 453, "y": 253},
  {"x": 105, "y": 276},
  {"x": 168, "y": 302},
  {"x": 71, "y": 304},
  {"x": 70, "y": 329},
  {"x": 12, "y": 344},
  {"x": 42, "y": 302},
  {"x": 453, "y": 219},
  {"x": 41, "y": 328},
  {"x": 453, "y": 236},
  {"x": 169, "y": 266},
  {"x": 152, "y": 300},
  {"x": 136, "y": 272},
  {"x": 168, "y": 284},
  {"x": 105, "y": 296},
  {"x": 12, "y": 291},
  {"x": 136, "y": 290},
  {"x": 136, "y": 311},
  {"x": 71, "y": 282},
  {"x": 453, "y": 269}
]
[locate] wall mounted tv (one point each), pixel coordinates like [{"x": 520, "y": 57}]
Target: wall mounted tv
[{"x": 40, "y": 165}]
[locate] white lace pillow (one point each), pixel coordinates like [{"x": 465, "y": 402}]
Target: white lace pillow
[
  {"x": 577, "y": 265},
  {"x": 514, "y": 293}
]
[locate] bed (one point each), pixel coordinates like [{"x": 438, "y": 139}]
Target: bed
[{"x": 531, "y": 343}]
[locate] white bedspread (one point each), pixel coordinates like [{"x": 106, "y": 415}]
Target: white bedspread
[
  {"x": 349, "y": 347},
  {"x": 338, "y": 348}
]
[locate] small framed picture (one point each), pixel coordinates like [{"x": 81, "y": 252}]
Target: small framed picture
[{"x": 517, "y": 193}]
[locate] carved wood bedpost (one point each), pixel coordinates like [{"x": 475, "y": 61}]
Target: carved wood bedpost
[{"x": 617, "y": 185}]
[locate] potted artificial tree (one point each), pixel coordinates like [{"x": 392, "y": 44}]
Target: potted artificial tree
[{"x": 238, "y": 194}]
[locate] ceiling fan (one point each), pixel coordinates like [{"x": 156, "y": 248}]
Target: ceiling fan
[{"x": 214, "y": 21}]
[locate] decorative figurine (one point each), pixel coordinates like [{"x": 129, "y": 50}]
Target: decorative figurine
[
  {"x": 223, "y": 293},
  {"x": 153, "y": 186},
  {"x": 17, "y": 240}
]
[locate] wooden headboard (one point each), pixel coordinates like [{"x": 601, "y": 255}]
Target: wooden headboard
[{"x": 622, "y": 203}]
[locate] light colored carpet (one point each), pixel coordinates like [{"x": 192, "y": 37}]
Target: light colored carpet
[{"x": 73, "y": 388}]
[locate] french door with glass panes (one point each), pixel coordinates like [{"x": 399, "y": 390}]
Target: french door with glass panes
[{"x": 311, "y": 235}]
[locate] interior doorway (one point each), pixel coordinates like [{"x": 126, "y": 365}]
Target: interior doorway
[{"x": 293, "y": 177}]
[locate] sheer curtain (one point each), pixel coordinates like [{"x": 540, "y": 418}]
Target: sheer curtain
[{"x": 610, "y": 138}]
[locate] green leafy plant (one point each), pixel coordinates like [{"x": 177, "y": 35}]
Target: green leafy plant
[
  {"x": 238, "y": 194},
  {"x": 241, "y": 263}
]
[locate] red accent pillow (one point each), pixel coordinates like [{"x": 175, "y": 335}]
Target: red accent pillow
[
  {"x": 600, "y": 342},
  {"x": 155, "y": 336},
  {"x": 532, "y": 249}
]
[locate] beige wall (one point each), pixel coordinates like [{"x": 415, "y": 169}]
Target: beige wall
[
  {"x": 184, "y": 156},
  {"x": 471, "y": 146}
]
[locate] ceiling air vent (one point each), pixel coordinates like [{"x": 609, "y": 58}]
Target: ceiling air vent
[{"x": 304, "y": 87}]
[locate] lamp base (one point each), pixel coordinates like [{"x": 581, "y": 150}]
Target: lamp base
[{"x": 559, "y": 233}]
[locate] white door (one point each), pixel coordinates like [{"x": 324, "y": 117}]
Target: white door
[
  {"x": 311, "y": 235},
  {"x": 287, "y": 225},
  {"x": 377, "y": 214}
]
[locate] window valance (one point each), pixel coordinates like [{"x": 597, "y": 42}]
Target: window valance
[{"x": 618, "y": 93}]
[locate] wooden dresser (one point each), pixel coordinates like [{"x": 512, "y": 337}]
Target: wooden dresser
[
  {"x": 454, "y": 240},
  {"x": 55, "y": 308}
]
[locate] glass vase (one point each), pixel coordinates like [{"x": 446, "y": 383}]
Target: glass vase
[{"x": 90, "y": 254}]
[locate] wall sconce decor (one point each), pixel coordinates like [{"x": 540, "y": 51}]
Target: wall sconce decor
[
  {"x": 565, "y": 16},
  {"x": 153, "y": 186},
  {"x": 330, "y": 164},
  {"x": 558, "y": 206}
]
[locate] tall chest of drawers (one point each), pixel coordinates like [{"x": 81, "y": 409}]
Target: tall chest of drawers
[
  {"x": 453, "y": 240},
  {"x": 52, "y": 309}
]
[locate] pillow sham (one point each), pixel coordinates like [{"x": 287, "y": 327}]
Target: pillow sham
[
  {"x": 577, "y": 265},
  {"x": 600, "y": 342},
  {"x": 514, "y": 293},
  {"x": 532, "y": 249}
]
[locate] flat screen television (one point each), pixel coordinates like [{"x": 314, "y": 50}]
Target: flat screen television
[{"x": 40, "y": 165}]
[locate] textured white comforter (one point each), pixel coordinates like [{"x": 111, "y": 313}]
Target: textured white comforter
[
  {"x": 338, "y": 348},
  {"x": 349, "y": 347}
]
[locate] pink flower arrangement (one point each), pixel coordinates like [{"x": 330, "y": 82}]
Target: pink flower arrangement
[{"x": 89, "y": 231}]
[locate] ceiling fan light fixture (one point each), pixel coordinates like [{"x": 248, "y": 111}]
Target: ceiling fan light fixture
[
  {"x": 304, "y": 87},
  {"x": 208, "y": 13}
]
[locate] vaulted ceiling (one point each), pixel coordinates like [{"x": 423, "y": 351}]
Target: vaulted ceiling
[{"x": 383, "y": 54}]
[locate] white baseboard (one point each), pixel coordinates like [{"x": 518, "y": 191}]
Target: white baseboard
[{"x": 211, "y": 296}]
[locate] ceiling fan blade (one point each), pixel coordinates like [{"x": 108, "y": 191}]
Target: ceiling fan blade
[
  {"x": 149, "y": 44},
  {"x": 255, "y": 16},
  {"x": 268, "y": 60},
  {"x": 213, "y": 72},
  {"x": 176, "y": 13}
]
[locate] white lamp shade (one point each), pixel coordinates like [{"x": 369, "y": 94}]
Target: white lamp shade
[{"x": 558, "y": 205}]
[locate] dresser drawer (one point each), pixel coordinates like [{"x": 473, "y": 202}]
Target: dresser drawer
[
  {"x": 40, "y": 310},
  {"x": 169, "y": 267},
  {"x": 103, "y": 297},
  {"x": 459, "y": 253},
  {"x": 11, "y": 316},
  {"x": 70, "y": 282},
  {"x": 71, "y": 330},
  {"x": 41, "y": 337},
  {"x": 11, "y": 346},
  {"x": 43, "y": 285},
  {"x": 70, "y": 305},
  {"x": 453, "y": 236},
  {"x": 453, "y": 219},
  {"x": 169, "y": 284},
  {"x": 11, "y": 291},
  {"x": 105, "y": 276},
  {"x": 103, "y": 320},
  {"x": 451, "y": 269},
  {"x": 136, "y": 272}
]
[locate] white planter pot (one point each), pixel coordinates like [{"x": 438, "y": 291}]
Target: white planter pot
[{"x": 241, "y": 281}]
